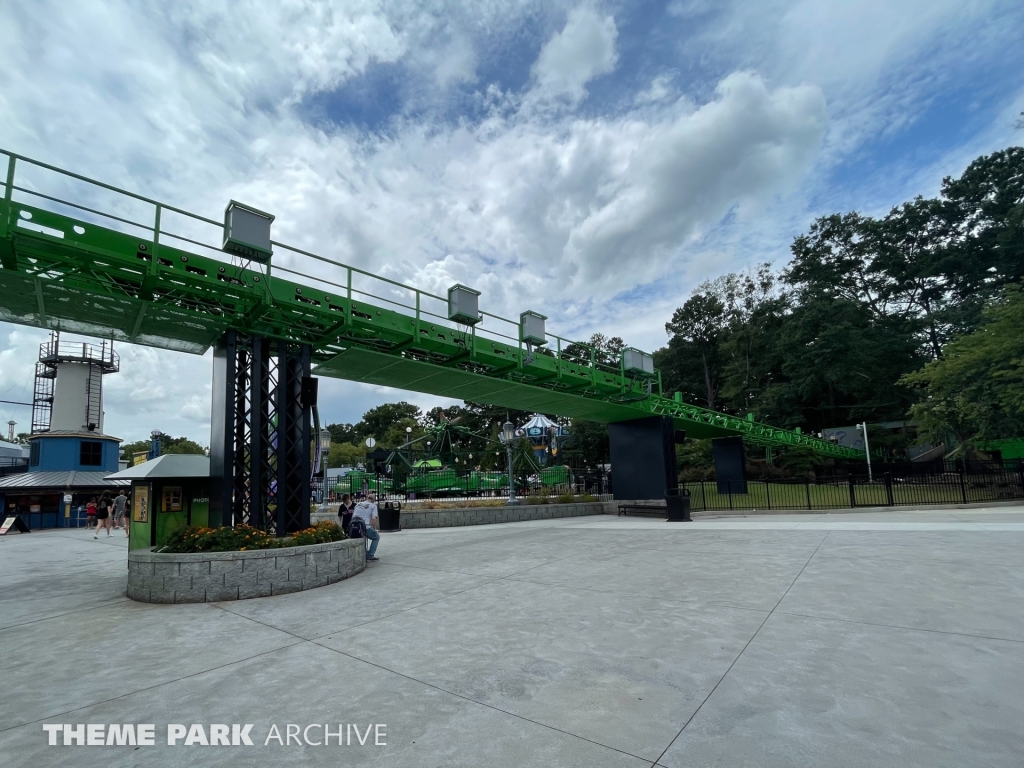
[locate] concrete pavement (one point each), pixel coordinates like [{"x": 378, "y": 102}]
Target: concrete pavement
[{"x": 893, "y": 638}]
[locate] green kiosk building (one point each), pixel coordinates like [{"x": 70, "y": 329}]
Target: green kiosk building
[{"x": 165, "y": 495}]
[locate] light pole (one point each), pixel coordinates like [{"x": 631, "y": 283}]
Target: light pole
[
  {"x": 325, "y": 451},
  {"x": 867, "y": 450},
  {"x": 508, "y": 436}
]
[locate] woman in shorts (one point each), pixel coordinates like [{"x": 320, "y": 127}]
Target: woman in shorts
[
  {"x": 103, "y": 515},
  {"x": 90, "y": 514}
]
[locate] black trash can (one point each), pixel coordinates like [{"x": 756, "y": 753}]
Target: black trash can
[
  {"x": 389, "y": 514},
  {"x": 677, "y": 505}
]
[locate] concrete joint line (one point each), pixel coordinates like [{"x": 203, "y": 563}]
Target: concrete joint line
[
  {"x": 484, "y": 704},
  {"x": 55, "y": 715},
  {"x": 740, "y": 654}
]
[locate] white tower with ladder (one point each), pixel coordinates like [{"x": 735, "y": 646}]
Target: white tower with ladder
[{"x": 68, "y": 393}]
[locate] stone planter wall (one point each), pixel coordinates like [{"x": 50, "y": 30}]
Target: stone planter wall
[
  {"x": 207, "y": 577},
  {"x": 445, "y": 518}
]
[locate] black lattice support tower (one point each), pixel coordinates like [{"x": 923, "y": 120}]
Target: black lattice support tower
[
  {"x": 259, "y": 442},
  {"x": 293, "y": 452}
]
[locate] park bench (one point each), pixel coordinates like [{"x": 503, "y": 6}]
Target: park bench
[{"x": 643, "y": 509}]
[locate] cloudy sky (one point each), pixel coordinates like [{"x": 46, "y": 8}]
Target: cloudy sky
[{"x": 593, "y": 161}]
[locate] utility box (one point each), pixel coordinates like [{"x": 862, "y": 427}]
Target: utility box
[
  {"x": 247, "y": 232},
  {"x": 463, "y": 305},
  {"x": 635, "y": 361},
  {"x": 531, "y": 328}
]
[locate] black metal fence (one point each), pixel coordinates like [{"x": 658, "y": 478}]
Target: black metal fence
[{"x": 890, "y": 485}]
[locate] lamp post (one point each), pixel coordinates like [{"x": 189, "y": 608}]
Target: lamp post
[
  {"x": 508, "y": 436},
  {"x": 325, "y": 450},
  {"x": 867, "y": 450}
]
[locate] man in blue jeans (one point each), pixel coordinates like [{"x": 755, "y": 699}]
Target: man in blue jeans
[{"x": 366, "y": 510}]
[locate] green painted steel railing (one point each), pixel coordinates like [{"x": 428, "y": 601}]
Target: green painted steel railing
[{"x": 87, "y": 257}]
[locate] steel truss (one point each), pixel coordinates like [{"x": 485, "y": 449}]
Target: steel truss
[{"x": 260, "y": 448}]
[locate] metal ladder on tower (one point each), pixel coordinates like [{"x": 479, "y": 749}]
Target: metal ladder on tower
[
  {"x": 94, "y": 398},
  {"x": 42, "y": 398}
]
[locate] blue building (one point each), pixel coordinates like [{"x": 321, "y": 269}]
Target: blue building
[{"x": 69, "y": 455}]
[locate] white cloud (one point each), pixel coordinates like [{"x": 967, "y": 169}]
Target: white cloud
[
  {"x": 661, "y": 89},
  {"x": 584, "y": 49},
  {"x": 538, "y": 204}
]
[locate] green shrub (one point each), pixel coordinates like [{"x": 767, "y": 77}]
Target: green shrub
[
  {"x": 566, "y": 498},
  {"x": 243, "y": 538},
  {"x": 536, "y": 499},
  {"x": 588, "y": 498}
]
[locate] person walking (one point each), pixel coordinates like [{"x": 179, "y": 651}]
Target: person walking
[
  {"x": 90, "y": 514},
  {"x": 120, "y": 504},
  {"x": 366, "y": 510},
  {"x": 103, "y": 515}
]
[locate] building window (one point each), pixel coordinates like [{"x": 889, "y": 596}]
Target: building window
[
  {"x": 91, "y": 454},
  {"x": 33, "y": 456}
]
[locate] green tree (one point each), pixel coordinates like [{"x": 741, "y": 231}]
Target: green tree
[
  {"x": 168, "y": 445},
  {"x": 377, "y": 421},
  {"x": 606, "y": 350},
  {"x": 695, "y": 460},
  {"x": 181, "y": 445},
  {"x": 345, "y": 455},
  {"x": 699, "y": 325},
  {"x": 838, "y": 364},
  {"x": 589, "y": 440},
  {"x": 984, "y": 209},
  {"x": 976, "y": 391},
  {"x": 343, "y": 433},
  {"x": 398, "y": 435}
]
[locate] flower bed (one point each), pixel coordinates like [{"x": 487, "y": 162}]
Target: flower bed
[{"x": 242, "y": 538}]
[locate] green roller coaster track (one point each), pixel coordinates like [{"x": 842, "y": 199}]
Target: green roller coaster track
[{"x": 86, "y": 257}]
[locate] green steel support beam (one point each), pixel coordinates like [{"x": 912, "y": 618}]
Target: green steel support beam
[{"x": 93, "y": 279}]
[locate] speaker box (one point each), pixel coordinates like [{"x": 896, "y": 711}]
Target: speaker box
[{"x": 310, "y": 384}]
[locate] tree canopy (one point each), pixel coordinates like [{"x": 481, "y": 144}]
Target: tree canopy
[{"x": 168, "y": 445}]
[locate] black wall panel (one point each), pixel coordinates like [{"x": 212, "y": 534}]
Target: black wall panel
[
  {"x": 643, "y": 453},
  {"x": 730, "y": 464}
]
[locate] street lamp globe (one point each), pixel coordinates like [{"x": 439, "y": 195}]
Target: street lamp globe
[
  {"x": 508, "y": 433},
  {"x": 325, "y": 439}
]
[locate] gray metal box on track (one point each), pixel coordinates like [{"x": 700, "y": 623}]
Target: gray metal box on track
[
  {"x": 531, "y": 328},
  {"x": 635, "y": 361},
  {"x": 247, "y": 231},
  {"x": 463, "y": 305}
]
